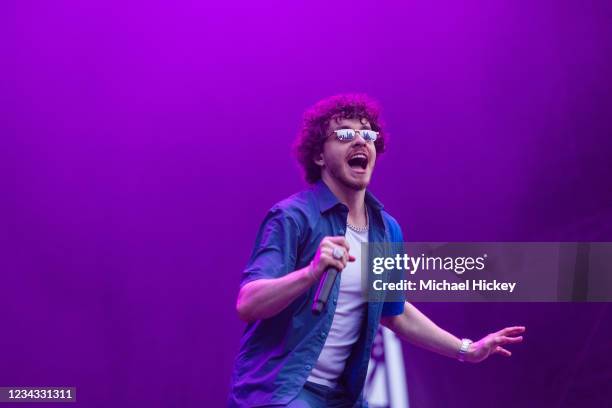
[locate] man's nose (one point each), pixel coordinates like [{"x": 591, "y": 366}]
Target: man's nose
[{"x": 359, "y": 138}]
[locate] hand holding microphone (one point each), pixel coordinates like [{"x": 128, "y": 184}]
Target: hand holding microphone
[{"x": 331, "y": 257}]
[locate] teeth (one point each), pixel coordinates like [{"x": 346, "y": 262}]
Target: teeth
[{"x": 359, "y": 156}]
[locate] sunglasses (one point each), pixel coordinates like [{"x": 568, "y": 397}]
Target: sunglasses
[{"x": 346, "y": 135}]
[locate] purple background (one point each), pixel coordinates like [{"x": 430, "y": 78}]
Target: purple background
[{"x": 142, "y": 143}]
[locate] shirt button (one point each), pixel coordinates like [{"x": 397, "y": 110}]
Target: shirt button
[
  {"x": 308, "y": 366},
  {"x": 341, "y": 232},
  {"x": 323, "y": 335},
  {"x": 335, "y": 300}
]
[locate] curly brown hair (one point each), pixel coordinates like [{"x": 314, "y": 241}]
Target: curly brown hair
[{"x": 313, "y": 134}]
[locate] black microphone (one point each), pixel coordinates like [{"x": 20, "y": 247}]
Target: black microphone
[{"x": 325, "y": 286}]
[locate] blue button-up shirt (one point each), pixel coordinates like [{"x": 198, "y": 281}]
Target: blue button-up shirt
[{"x": 277, "y": 354}]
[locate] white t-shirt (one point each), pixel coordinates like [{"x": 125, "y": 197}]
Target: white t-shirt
[{"x": 346, "y": 326}]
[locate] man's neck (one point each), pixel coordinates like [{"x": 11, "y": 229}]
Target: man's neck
[{"x": 353, "y": 199}]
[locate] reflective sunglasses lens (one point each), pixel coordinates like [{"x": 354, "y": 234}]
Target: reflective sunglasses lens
[
  {"x": 369, "y": 135},
  {"x": 345, "y": 134}
]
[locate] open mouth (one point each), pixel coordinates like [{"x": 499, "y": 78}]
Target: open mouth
[{"x": 358, "y": 161}]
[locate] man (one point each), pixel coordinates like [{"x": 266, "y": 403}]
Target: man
[{"x": 288, "y": 355}]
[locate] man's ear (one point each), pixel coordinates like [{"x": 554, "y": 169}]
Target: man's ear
[{"x": 318, "y": 159}]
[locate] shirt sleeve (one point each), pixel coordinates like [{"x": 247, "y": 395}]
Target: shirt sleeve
[
  {"x": 395, "y": 308},
  {"x": 275, "y": 251}
]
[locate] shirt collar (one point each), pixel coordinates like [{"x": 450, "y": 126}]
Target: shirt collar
[{"x": 326, "y": 199}]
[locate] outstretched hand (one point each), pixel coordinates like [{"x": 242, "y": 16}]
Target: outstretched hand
[{"x": 494, "y": 344}]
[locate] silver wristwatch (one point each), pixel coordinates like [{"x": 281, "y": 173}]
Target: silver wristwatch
[{"x": 465, "y": 345}]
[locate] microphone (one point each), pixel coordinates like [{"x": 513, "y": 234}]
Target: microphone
[{"x": 325, "y": 286}]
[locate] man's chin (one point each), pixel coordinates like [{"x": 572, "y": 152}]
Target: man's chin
[
  {"x": 357, "y": 185},
  {"x": 349, "y": 180}
]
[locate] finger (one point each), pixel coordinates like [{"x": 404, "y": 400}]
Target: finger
[
  {"x": 339, "y": 265},
  {"x": 327, "y": 243},
  {"x": 327, "y": 252},
  {"x": 508, "y": 340},
  {"x": 327, "y": 258},
  {"x": 345, "y": 254},
  {"x": 340, "y": 241},
  {"x": 502, "y": 351},
  {"x": 332, "y": 262},
  {"x": 508, "y": 331},
  {"x": 328, "y": 262},
  {"x": 328, "y": 248}
]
